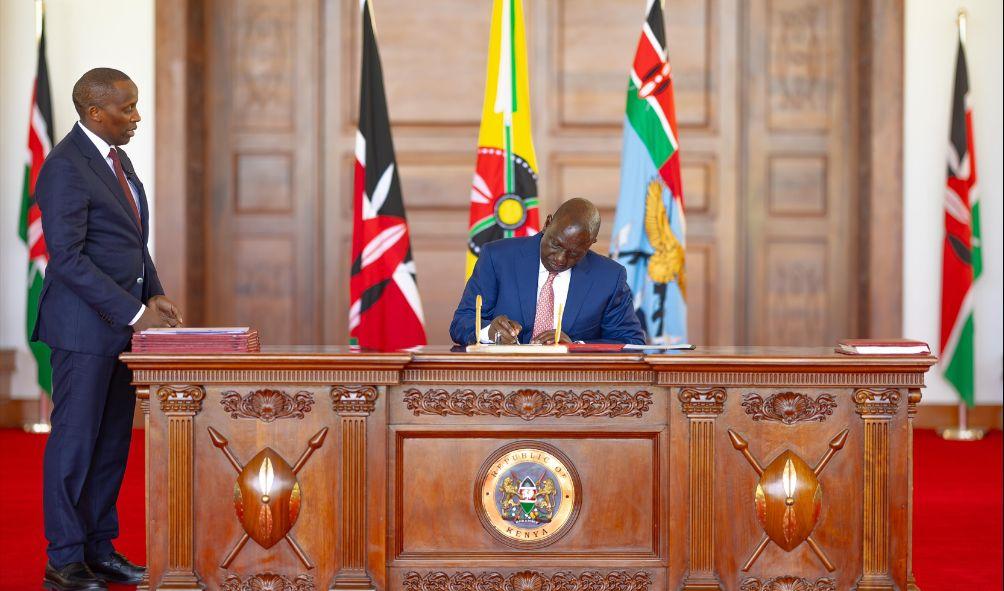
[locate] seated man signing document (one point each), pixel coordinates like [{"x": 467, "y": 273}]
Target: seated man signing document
[{"x": 524, "y": 282}]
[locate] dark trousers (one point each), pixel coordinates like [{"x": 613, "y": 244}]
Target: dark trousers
[{"x": 85, "y": 456}]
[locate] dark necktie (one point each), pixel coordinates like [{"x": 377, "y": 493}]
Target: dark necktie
[{"x": 117, "y": 165}]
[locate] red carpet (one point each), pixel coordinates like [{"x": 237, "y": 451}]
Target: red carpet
[{"x": 957, "y": 524}]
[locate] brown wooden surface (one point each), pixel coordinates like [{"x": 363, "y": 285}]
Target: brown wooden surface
[
  {"x": 790, "y": 125},
  {"x": 668, "y": 496}
]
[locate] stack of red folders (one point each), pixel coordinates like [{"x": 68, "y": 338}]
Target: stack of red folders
[{"x": 233, "y": 339}]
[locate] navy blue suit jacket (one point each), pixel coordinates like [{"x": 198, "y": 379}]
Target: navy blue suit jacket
[
  {"x": 599, "y": 307},
  {"x": 100, "y": 269}
]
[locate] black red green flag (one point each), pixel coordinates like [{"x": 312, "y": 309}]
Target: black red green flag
[
  {"x": 30, "y": 221},
  {"x": 386, "y": 311},
  {"x": 962, "y": 259}
]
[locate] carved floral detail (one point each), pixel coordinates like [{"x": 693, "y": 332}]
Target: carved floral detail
[
  {"x": 181, "y": 399},
  {"x": 877, "y": 402},
  {"x": 789, "y": 407},
  {"x": 789, "y": 583},
  {"x": 267, "y": 405},
  {"x": 268, "y": 582},
  {"x": 353, "y": 399},
  {"x": 528, "y": 581},
  {"x": 697, "y": 401},
  {"x": 528, "y": 404}
]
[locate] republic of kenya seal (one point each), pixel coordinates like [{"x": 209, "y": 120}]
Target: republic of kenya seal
[{"x": 527, "y": 494}]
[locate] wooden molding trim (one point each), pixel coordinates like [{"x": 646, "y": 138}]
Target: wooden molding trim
[
  {"x": 702, "y": 407},
  {"x": 941, "y": 416},
  {"x": 181, "y": 404},
  {"x": 877, "y": 408},
  {"x": 353, "y": 404}
]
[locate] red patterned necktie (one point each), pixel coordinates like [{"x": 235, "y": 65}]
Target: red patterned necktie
[
  {"x": 544, "y": 319},
  {"x": 114, "y": 155}
]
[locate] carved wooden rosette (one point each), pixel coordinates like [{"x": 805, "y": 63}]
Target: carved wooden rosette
[
  {"x": 267, "y": 405},
  {"x": 877, "y": 408},
  {"x": 702, "y": 407},
  {"x": 788, "y": 583},
  {"x": 268, "y": 582},
  {"x": 528, "y": 404},
  {"x": 180, "y": 404},
  {"x": 527, "y": 580},
  {"x": 353, "y": 404},
  {"x": 789, "y": 407}
]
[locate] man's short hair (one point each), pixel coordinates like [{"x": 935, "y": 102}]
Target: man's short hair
[{"x": 95, "y": 87}]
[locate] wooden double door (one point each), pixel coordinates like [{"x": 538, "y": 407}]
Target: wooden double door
[{"x": 790, "y": 129}]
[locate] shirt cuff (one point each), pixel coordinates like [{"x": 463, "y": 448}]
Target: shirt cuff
[
  {"x": 483, "y": 335},
  {"x": 142, "y": 308}
]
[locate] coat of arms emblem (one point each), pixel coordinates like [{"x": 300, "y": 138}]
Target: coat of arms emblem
[{"x": 527, "y": 494}]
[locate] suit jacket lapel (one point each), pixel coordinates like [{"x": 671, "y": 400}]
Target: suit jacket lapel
[
  {"x": 100, "y": 167},
  {"x": 526, "y": 281},
  {"x": 578, "y": 288}
]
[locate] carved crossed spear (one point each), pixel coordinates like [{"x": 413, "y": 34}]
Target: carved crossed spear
[
  {"x": 743, "y": 447},
  {"x": 224, "y": 445}
]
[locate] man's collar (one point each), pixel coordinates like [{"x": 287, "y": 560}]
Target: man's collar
[{"x": 102, "y": 146}]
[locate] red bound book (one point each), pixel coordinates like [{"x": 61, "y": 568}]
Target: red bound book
[{"x": 197, "y": 340}]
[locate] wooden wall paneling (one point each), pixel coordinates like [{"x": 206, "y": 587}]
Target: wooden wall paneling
[
  {"x": 798, "y": 192},
  {"x": 880, "y": 166},
  {"x": 265, "y": 228},
  {"x": 337, "y": 147},
  {"x": 437, "y": 186},
  {"x": 596, "y": 42},
  {"x": 182, "y": 110}
]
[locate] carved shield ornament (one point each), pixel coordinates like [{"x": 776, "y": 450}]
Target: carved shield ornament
[{"x": 527, "y": 494}]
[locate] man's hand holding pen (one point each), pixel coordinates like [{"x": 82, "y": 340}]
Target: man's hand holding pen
[{"x": 504, "y": 330}]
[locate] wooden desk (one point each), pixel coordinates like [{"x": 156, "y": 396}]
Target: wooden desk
[{"x": 741, "y": 469}]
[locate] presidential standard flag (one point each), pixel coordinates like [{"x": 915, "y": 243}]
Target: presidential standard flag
[
  {"x": 962, "y": 259},
  {"x": 649, "y": 226},
  {"x": 386, "y": 311},
  {"x": 504, "y": 191},
  {"x": 30, "y": 227}
]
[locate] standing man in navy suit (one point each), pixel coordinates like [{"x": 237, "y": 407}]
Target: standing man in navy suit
[
  {"x": 525, "y": 282},
  {"x": 100, "y": 286}
]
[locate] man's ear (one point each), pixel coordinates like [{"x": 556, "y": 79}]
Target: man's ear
[
  {"x": 547, "y": 222},
  {"x": 94, "y": 113}
]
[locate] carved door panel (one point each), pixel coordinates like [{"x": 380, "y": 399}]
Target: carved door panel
[
  {"x": 263, "y": 231},
  {"x": 800, "y": 183}
]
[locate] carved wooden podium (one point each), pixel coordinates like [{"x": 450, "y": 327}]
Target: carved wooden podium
[{"x": 738, "y": 469}]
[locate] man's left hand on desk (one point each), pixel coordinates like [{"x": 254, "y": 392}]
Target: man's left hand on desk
[{"x": 547, "y": 338}]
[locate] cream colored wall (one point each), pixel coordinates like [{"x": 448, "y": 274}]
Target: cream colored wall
[
  {"x": 930, "y": 62},
  {"x": 120, "y": 33},
  {"x": 81, "y": 35}
]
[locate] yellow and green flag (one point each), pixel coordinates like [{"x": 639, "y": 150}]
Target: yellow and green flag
[{"x": 504, "y": 191}]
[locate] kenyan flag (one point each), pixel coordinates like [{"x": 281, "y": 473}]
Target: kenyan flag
[
  {"x": 962, "y": 260},
  {"x": 30, "y": 227},
  {"x": 649, "y": 234},
  {"x": 504, "y": 191}
]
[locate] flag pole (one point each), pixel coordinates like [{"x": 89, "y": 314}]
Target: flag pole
[
  {"x": 963, "y": 432},
  {"x": 41, "y": 424}
]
